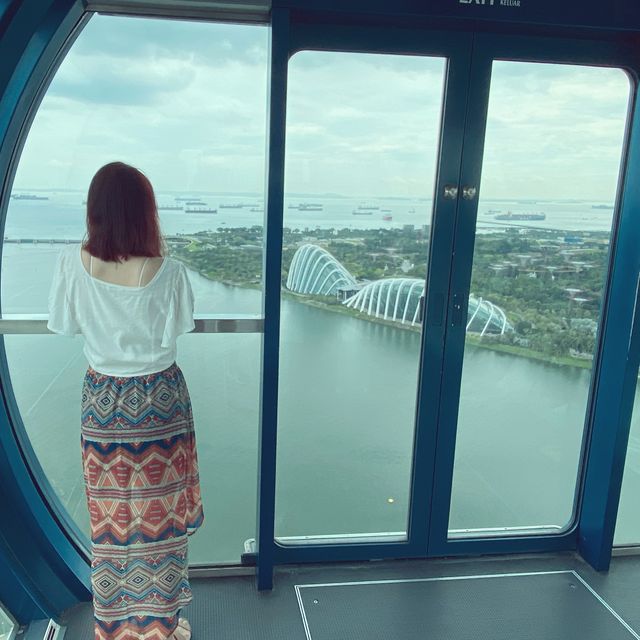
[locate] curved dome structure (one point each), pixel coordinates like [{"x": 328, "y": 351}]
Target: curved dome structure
[
  {"x": 315, "y": 271},
  {"x": 485, "y": 317},
  {"x": 398, "y": 299},
  {"x": 392, "y": 299}
]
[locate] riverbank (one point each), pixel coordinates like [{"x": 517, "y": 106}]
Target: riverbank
[{"x": 473, "y": 341}]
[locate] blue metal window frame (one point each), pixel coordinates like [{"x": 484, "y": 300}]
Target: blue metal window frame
[{"x": 39, "y": 83}]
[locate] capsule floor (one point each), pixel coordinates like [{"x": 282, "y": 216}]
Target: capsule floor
[{"x": 542, "y": 597}]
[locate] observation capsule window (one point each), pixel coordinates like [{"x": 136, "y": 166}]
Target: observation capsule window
[{"x": 186, "y": 103}]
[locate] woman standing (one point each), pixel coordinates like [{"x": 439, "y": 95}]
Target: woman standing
[{"x": 138, "y": 445}]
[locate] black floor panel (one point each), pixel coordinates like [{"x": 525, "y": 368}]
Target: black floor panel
[{"x": 535, "y": 606}]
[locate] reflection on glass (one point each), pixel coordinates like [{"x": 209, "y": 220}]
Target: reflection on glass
[
  {"x": 6, "y": 625},
  {"x": 544, "y": 222},
  {"x": 362, "y": 136},
  {"x": 628, "y": 523},
  {"x": 185, "y": 102}
]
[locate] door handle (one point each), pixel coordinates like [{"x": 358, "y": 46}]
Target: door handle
[
  {"x": 469, "y": 193},
  {"x": 450, "y": 191}
]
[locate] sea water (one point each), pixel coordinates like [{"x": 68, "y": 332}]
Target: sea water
[{"x": 346, "y": 406}]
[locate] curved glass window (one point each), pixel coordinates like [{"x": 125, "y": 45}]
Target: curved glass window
[
  {"x": 185, "y": 102},
  {"x": 628, "y": 523}
]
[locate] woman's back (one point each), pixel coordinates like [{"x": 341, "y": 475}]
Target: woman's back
[
  {"x": 128, "y": 329},
  {"x": 136, "y": 271}
]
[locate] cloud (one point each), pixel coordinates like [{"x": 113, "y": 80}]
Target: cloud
[
  {"x": 152, "y": 106},
  {"x": 129, "y": 38},
  {"x": 186, "y": 102},
  {"x": 144, "y": 82},
  {"x": 551, "y": 124}
]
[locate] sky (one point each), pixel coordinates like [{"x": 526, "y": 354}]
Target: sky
[{"x": 186, "y": 102}]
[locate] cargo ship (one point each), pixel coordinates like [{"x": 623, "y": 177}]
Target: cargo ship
[
  {"x": 521, "y": 216},
  {"x": 307, "y": 206},
  {"x": 169, "y": 207},
  {"x": 28, "y": 196},
  {"x": 200, "y": 210}
]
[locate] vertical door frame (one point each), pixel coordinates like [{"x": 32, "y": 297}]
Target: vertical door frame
[{"x": 272, "y": 266}]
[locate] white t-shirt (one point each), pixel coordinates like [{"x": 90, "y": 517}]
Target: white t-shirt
[{"x": 128, "y": 331}]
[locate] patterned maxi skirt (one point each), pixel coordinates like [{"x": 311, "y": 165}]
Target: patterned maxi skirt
[{"x": 141, "y": 478}]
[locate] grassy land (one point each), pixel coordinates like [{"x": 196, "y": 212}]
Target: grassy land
[{"x": 473, "y": 341}]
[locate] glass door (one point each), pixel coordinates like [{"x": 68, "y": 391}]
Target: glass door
[
  {"x": 361, "y": 331},
  {"x": 447, "y": 232},
  {"x": 532, "y": 262}
]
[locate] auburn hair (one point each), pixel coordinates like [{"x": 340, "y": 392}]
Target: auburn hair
[{"x": 122, "y": 215}]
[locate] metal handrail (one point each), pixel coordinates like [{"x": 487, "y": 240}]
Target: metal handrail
[{"x": 36, "y": 323}]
